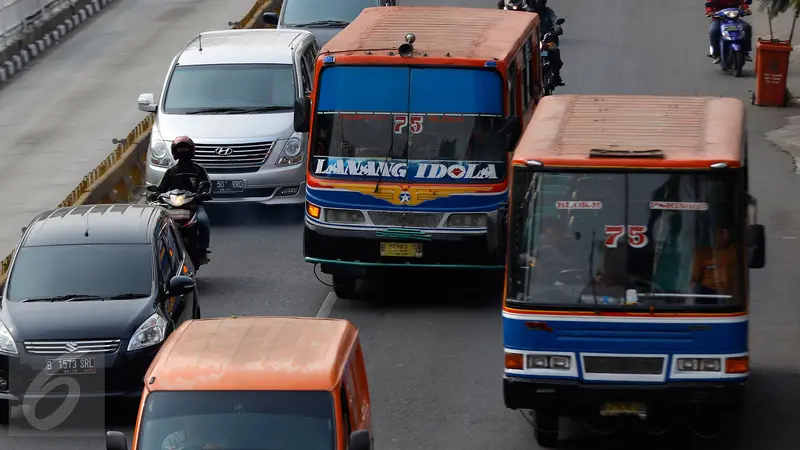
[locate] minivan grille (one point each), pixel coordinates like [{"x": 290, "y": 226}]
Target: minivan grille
[
  {"x": 64, "y": 347},
  {"x": 623, "y": 365},
  {"x": 232, "y": 158},
  {"x": 409, "y": 219}
]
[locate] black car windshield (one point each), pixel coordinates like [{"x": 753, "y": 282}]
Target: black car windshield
[
  {"x": 103, "y": 270},
  {"x": 230, "y": 89},
  {"x": 302, "y": 12},
  {"x": 633, "y": 240},
  {"x": 238, "y": 420}
]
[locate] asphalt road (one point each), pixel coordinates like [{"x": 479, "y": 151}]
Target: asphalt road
[{"x": 434, "y": 354}]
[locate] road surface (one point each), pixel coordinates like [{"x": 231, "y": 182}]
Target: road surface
[{"x": 434, "y": 354}]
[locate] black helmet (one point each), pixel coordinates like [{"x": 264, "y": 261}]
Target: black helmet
[{"x": 183, "y": 148}]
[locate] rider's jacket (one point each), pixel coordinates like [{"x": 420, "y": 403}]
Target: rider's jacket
[
  {"x": 722, "y": 4},
  {"x": 183, "y": 175}
]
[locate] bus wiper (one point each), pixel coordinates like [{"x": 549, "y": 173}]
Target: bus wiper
[
  {"x": 385, "y": 160},
  {"x": 324, "y": 23},
  {"x": 591, "y": 276},
  {"x": 218, "y": 111},
  {"x": 63, "y": 298}
]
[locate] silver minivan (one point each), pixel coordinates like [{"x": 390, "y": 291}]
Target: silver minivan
[{"x": 233, "y": 93}]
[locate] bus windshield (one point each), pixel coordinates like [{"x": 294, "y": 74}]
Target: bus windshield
[{"x": 627, "y": 240}]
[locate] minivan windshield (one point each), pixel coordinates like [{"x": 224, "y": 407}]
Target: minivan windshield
[
  {"x": 626, "y": 240},
  {"x": 230, "y": 89},
  {"x": 102, "y": 270},
  {"x": 238, "y": 420},
  {"x": 307, "y": 12}
]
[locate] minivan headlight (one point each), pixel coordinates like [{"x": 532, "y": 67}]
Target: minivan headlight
[
  {"x": 292, "y": 152},
  {"x": 159, "y": 150},
  {"x": 149, "y": 333},
  {"x": 7, "y": 344}
]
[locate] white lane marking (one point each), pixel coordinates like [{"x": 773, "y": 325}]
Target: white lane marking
[{"x": 327, "y": 305}]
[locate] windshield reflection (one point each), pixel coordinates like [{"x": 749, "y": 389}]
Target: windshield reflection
[{"x": 632, "y": 240}]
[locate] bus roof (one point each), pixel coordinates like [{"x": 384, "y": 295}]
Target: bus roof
[
  {"x": 658, "y": 131},
  {"x": 253, "y": 354},
  {"x": 440, "y": 31}
]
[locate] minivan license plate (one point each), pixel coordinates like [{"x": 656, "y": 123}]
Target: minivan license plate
[
  {"x": 70, "y": 366},
  {"x": 228, "y": 186}
]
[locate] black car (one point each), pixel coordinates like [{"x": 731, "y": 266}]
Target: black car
[
  {"x": 92, "y": 293},
  {"x": 323, "y": 18}
]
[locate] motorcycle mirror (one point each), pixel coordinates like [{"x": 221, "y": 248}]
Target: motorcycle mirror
[
  {"x": 560, "y": 21},
  {"x": 151, "y": 188}
]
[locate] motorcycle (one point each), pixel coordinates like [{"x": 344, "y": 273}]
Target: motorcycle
[
  {"x": 731, "y": 45},
  {"x": 182, "y": 209},
  {"x": 549, "y": 43}
]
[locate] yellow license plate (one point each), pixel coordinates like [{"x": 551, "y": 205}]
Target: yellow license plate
[
  {"x": 622, "y": 409},
  {"x": 401, "y": 249}
]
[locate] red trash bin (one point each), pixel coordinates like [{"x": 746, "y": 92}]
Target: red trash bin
[{"x": 772, "y": 66}]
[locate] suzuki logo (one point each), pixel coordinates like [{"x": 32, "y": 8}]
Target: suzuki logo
[
  {"x": 71, "y": 347},
  {"x": 224, "y": 151}
]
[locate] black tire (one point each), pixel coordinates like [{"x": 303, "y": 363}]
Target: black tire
[
  {"x": 738, "y": 63},
  {"x": 344, "y": 287},
  {"x": 545, "y": 428},
  {"x": 196, "y": 312}
]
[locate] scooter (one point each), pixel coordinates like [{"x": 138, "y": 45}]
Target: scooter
[
  {"x": 548, "y": 44},
  {"x": 181, "y": 206},
  {"x": 731, "y": 45}
]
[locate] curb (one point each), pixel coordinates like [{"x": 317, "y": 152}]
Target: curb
[{"x": 58, "y": 28}]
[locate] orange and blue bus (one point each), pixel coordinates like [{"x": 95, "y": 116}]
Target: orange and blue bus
[{"x": 412, "y": 120}]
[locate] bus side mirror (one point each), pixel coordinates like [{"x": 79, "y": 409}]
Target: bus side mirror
[
  {"x": 360, "y": 440},
  {"x": 756, "y": 246},
  {"x": 513, "y": 132},
  {"x": 302, "y": 114},
  {"x": 560, "y": 21},
  {"x": 116, "y": 441},
  {"x": 270, "y": 18},
  {"x": 496, "y": 226}
]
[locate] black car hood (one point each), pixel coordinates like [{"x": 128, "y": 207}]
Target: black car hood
[{"x": 110, "y": 319}]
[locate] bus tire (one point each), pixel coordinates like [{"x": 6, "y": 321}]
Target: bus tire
[
  {"x": 545, "y": 428},
  {"x": 344, "y": 287}
]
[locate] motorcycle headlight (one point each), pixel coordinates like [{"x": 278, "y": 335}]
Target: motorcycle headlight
[
  {"x": 159, "y": 150},
  {"x": 149, "y": 333},
  {"x": 7, "y": 344},
  {"x": 731, "y": 14},
  {"x": 292, "y": 152},
  {"x": 177, "y": 200}
]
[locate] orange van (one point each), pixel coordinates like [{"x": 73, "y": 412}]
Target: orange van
[{"x": 255, "y": 383}]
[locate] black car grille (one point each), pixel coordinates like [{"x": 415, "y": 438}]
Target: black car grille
[
  {"x": 233, "y": 158},
  {"x": 623, "y": 365},
  {"x": 83, "y": 346}
]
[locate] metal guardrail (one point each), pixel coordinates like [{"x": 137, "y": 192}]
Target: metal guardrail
[{"x": 16, "y": 16}]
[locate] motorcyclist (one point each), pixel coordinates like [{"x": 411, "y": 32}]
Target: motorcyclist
[
  {"x": 520, "y": 4},
  {"x": 548, "y": 19},
  {"x": 187, "y": 175},
  {"x": 715, "y": 33}
]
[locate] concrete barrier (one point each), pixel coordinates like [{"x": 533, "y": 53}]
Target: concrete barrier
[{"x": 116, "y": 178}]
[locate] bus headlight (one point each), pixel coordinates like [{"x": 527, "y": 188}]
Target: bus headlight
[
  {"x": 466, "y": 221},
  {"x": 699, "y": 364},
  {"x": 344, "y": 216},
  {"x": 548, "y": 362}
]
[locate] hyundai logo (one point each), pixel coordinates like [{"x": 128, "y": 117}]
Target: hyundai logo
[
  {"x": 224, "y": 151},
  {"x": 71, "y": 347}
]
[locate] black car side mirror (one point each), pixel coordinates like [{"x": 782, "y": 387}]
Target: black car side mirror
[
  {"x": 151, "y": 188},
  {"x": 302, "y": 114},
  {"x": 270, "y": 18},
  {"x": 116, "y": 441},
  {"x": 360, "y": 440},
  {"x": 180, "y": 285},
  {"x": 560, "y": 21},
  {"x": 757, "y": 246}
]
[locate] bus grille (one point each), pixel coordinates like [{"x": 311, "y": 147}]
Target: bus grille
[
  {"x": 623, "y": 365},
  {"x": 406, "y": 219}
]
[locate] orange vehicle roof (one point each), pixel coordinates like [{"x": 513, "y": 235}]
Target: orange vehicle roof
[
  {"x": 692, "y": 132},
  {"x": 480, "y": 33},
  {"x": 253, "y": 354}
]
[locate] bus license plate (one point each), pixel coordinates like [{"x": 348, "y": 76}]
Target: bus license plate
[
  {"x": 228, "y": 186},
  {"x": 401, "y": 249},
  {"x": 180, "y": 214},
  {"x": 623, "y": 409},
  {"x": 70, "y": 366}
]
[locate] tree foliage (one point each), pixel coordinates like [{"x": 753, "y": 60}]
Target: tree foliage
[{"x": 775, "y": 7}]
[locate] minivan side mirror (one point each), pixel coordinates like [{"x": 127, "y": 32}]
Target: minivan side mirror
[
  {"x": 560, "y": 21},
  {"x": 513, "y": 132},
  {"x": 756, "y": 246},
  {"x": 270, "y": 18},
  {"x": 360, "y": 440},
  {"x": 147, "y": 103},
  {"x": 116, "y": 441},
  {"x": 180, "y": 285},
  {"x": 302, "y": 114}
]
